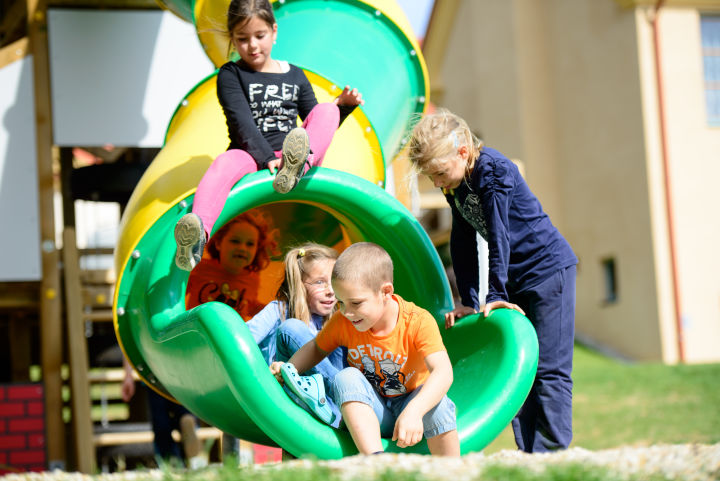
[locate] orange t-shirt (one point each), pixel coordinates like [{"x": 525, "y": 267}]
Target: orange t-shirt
[
  {"x": 394, "y": 364},
  {"x": 210, "y": 282}
]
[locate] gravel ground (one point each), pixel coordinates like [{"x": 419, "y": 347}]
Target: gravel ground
[{"x": 687, "y": 462}]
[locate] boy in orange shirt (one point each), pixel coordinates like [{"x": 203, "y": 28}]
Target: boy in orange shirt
[{"x": 400, "y": 372}]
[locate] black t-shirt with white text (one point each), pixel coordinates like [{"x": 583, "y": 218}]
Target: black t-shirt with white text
[{"x": 261, "y": 108}]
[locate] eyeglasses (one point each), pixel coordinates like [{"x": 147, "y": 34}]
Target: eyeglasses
[{"x": 319, "y": 285}]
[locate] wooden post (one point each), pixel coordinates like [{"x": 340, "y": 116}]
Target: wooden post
[
  {"x": 77, "y": 342},
  {"x": 51, "y": 333},
  {"x": 78, "y": 356}
]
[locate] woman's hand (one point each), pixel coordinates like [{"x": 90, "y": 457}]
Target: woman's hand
[
  {"x": 274, "y": 165},
  {"x": 501, "y": 305},
  {"x": 275, "y": 370},
  {"x": 349, "y": 97},
  {"x": 457, "y": 313}
]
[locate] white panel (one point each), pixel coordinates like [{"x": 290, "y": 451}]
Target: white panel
[
  {"x": 117, "y": 76},
  {"x": 20, "y": 233}
]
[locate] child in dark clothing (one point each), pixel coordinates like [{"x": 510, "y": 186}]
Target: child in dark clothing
[
  {"x": 531, "y": 266},
  {"x": 261, "y": 98}
]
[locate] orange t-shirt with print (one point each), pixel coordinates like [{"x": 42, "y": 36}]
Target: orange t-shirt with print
[
  {"x": 394, "y": 364},
  {"x": 210, "y": 282}
]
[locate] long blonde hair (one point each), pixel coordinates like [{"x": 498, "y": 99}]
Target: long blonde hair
[
  {"x": 292, "y": 291},
  {"x": 437, "y": 136}
]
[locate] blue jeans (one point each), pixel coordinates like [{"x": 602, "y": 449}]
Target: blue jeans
[
  {"x": 351, "y": 385},
  {"x": 294, "y": 334},
  {"x": 544, "y": 422}
]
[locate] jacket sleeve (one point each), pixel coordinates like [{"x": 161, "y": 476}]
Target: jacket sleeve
[
  {"x": 265, "y": 322},
  {"x": 464, "y": 254},
  {"x": 307, "y": 101},
  {"x": 242, "y": 128},
  {"x": 496, "y": 198},
  {"x": 345, "y": 111},
  {"x": 306, "y": 97}
]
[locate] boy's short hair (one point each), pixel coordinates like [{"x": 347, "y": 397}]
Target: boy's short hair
[{"x": 366, "y": 263}]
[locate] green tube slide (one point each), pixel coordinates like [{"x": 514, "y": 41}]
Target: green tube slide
[
  {"x": 205, "y": 357},
  {"x": 207, "y": 360}
]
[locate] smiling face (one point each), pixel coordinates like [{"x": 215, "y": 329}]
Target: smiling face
[
  {"x": 238, "y": 247},
  {"x": 320, "y": 296},
  {"x": 254, "y": 40},
  {"x": 449, "y": 172},
  {"x": 364, "y": 308}
]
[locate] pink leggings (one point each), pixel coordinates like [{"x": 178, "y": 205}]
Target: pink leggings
[{"x": 232, "y": 165}]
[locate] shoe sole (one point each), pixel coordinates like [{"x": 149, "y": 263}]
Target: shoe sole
[
  {"x": 188, "y": 232},
  {"x": 295, "y": 151}
]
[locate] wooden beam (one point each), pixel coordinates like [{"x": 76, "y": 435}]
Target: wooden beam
[
  {"x": 13, "y": 52},
  {"x": 106, "y": 4},
  {"x": 78, "y": 356},
  {"x": 51, "y": 333},
  {"x": 19, "y": 295},
  {"x": 137, "y": 437}
]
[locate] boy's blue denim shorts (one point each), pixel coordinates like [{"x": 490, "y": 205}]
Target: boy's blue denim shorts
[{"x": 351, "y": 385}]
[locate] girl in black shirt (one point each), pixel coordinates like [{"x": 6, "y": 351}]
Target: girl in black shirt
[{"x": 261, "y": 98}]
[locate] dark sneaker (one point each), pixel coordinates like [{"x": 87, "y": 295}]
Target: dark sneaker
[
  {"x": 190, "y": 240},
  {"x": 295, "y": 151}
]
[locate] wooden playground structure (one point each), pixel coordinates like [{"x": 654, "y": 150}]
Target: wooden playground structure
[{"x": 58, "y": 323}]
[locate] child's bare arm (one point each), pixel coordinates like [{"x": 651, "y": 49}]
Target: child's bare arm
[
  {"x": 408, "y": 426},
  {"x": 305, "y": 358}
]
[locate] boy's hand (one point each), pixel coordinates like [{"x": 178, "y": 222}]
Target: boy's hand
[
  {"x": 274, "y": 165},
  {"x": 457, "y": 313},
  {"x": 275, "y": 370},
  {"x": 500, "y": 305},
  {"x": 408, "y": 429},
  {"x": 349, "y": 97}
]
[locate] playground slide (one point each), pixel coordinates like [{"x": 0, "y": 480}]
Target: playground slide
[{"x": 205, "y": 357}]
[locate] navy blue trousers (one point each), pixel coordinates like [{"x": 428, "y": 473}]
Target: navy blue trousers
[
  {"x": 544, "y": 422},
  {"x": 165, "y": 416}
]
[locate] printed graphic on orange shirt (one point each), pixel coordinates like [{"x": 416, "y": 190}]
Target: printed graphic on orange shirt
[
  {"x": 233, "y": 298},
  {"x": 381, "y": 369}
]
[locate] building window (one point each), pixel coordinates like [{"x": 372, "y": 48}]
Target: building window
[
  {"x": 710, "y": 32},
  {"x": 609, "y": 274}
]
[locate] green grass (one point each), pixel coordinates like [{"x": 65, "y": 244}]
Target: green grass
[{"x": 638, "y": 404}]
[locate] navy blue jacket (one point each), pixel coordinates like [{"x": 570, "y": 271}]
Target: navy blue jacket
[{"x": 524, "y": 247}]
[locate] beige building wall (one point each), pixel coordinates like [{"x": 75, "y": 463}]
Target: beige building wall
[
  {"x": 694, "y": 160},
  {"x": 568, "y": 87}
]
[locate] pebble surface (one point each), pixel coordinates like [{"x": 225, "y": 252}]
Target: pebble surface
[{"x": 686, "y": 462}]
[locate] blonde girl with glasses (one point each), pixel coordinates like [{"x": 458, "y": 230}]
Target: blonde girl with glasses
[{"x": 302, "y": 305}]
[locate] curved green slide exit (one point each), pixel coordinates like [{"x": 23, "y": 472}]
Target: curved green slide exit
[{"x": 205, "y": 358}]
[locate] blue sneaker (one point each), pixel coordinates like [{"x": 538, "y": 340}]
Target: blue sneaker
[
  {"x": 310, "y": 390},
  {"x": 190, "y": 240}
]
